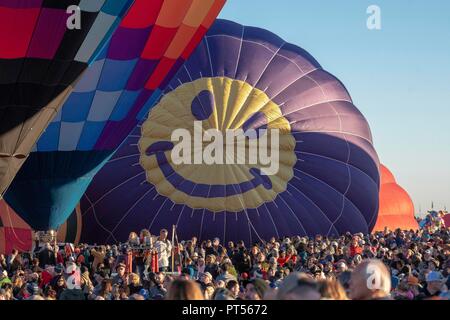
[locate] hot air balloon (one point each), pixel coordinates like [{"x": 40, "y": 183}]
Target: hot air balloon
[
  {"x": 45, "y": 45},
  {"x": 17, "y": 234},
  {"x": 14, "y": 232},
  {"x": 396, "y": 209},
  {"x": 149, "y": 46},
  {"x": 245, "y": 78}
]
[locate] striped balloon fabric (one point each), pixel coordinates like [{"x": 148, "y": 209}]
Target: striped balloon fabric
[
  {"x": 148, "y": 48},
  {"x": 40, "y": 59},
  {"x": 115, "y": 93}
]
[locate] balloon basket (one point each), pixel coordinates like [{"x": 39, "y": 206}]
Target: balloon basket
[{"x": 45, "y": 236}]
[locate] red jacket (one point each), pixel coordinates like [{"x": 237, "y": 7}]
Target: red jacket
[{"x": 354, "y": 250}]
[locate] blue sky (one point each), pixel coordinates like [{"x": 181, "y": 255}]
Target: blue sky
[{"x": 399, "y": 76}]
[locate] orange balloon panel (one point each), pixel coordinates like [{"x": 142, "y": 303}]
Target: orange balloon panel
[
  {"x": 396, "y": 209},
  {"x": 386, "y": 175}
]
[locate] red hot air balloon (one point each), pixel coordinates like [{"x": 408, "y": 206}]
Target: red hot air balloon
[
  {"x": 396, "y": 208},
  {"x": 447, "y": 220},
  {"x": 14, "y": 232}
]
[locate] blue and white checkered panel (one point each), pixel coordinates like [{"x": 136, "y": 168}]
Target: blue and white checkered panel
[
  {"x": 110, "y": 15},
  {"x": 90, "y": 78},
  {"x": 95, "y": 101}
]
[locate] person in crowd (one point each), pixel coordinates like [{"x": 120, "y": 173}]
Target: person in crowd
[
  {"x": 184, "y": 290},
  {"x": 391, "y": 264},
  {"x": 164, "y": 248},
  {"x": 158, "y": 291},
  {"x": 235, "y": 289},
  {"x": 134, "y": 283},
  {"x": 225, "y": 273},
  {"x": 332, "y": 289},
  {"x": 205, "y": 280},
  {"x": 435, "y": 287},
  {"x": 298, "y": 286},
  {"x": 222, "y": 294},
  {"x": 211, "y": 265},
  {"x": 370, "y": 280},
  {"x": 121, "y": 276},
  {"x": 47, "y": 256},
  {"x": 255, "y": 289}
]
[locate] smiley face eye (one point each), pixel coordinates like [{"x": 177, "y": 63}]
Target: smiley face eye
[{"x": 203, "y": 105}]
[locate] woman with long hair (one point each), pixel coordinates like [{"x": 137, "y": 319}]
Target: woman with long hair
[
  {"x": 106, "y": 289},
  {"x": 332, "y": 289}
]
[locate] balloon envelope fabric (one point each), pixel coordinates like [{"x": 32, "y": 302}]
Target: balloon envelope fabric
[
  {"x": 40, "y": 59},
  {"x": 14, "y": 232},
  {"x": 396, "y": 209},
  {"x": 127, "y": 78},
  {"x": 17, "y": 234},
  {"x": 243, "y": 77}
]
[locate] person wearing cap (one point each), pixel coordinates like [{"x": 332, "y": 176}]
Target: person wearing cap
[
  {"x": 205, "y": 280},
  {"x": 35, "y": 292},
  {"x": 121, "y": 276},
  {"x": 434, "y": 287}
]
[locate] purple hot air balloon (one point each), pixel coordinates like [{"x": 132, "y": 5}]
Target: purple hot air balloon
[{"x": 243, "y": 78}]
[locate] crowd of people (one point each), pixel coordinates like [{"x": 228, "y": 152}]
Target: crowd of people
[{"x": 406, "y": 265}]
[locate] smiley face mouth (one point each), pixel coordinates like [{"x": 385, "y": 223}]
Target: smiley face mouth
[{"x": 191, "y": 188}]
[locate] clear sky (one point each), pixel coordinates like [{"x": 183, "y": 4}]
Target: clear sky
[{"x": 399, "y": 76}]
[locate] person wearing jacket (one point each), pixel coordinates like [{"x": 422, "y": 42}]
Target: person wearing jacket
[
  {"x": 164, "y": 249},
  {"x": 225, "y": 274}
]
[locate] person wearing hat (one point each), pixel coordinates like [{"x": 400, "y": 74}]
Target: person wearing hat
[
  {"x": 414, "y": 285},
  {"x": 205, "y": 280},
  {"x": 434, "y": 287},
  {"x": 33, "y": 288},
  {"x": 121, "y": 276}
]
